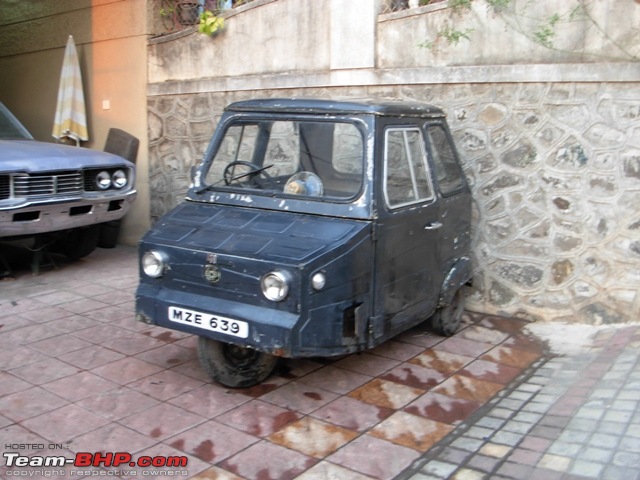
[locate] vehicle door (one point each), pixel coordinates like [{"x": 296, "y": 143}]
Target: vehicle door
[
  {"x": 408, "y": 238},
  {"x": 454, "y": 196}
]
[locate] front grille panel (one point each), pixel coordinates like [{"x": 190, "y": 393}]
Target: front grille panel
[
  {"x": 5, "y": 187},
  {"x": 47, "y": 185}
]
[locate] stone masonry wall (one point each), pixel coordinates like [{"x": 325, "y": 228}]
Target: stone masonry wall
[{"x": 555, "y": 174}]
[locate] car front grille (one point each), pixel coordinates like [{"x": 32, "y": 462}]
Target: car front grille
[
  {"x": 5, "y": 187},
  {"x": 47, "y": 184}
]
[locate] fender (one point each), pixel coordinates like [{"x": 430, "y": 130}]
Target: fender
[{"x": 459, "y": 274}]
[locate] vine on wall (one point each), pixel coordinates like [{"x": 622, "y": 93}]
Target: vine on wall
[{"x": 544, "y": 31}]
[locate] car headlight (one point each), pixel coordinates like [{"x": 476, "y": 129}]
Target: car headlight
[
  {"x": 154, "y": 263},
  {"x": 275, "y": 285},
  {"x": 119, "y": 179},
  {"x": 103, "y": 180}
]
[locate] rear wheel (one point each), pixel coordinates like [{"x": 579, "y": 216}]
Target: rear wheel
[
  {"x": 446, "y": 320},
  {"x": 232, "y": 365}
]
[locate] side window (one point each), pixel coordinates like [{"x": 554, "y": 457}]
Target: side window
[
  {"x": 406, "y": 172},
  {"x": 448, "y": 171}
]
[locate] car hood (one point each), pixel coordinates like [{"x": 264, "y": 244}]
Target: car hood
[
  {"x": 31, "y": 156},
  {"x": 265, "y": 235}
]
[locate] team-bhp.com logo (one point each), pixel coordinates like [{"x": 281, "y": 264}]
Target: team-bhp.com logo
[{"x": 86, "y": 459}]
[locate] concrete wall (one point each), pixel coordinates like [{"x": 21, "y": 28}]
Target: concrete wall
[
  {"x": 550, "y": 137},
  {"x": 111, "y": 40}
]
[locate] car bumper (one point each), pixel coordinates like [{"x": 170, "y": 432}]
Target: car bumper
[
  {"x": 35, "y": 219},
  {"x": 284, "y": 334}
]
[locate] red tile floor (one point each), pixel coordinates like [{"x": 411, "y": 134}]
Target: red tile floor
[{"x": 77, "y": 370}]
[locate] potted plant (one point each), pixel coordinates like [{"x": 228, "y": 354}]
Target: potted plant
[{"x": 210, "y": 23}]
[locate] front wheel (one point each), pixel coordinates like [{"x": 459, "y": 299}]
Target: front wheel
[
  {"x": 232, "y": 365},
  {"x": 446, "y": 320}
]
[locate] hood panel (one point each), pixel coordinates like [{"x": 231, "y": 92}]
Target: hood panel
[
  {"x": 31, "y": 156},
  {"x": 264, "y": 234}
]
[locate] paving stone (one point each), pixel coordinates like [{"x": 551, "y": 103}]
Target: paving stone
[
  {"x": 439, "y": 469},
  {"x": 587, "y": 469}
]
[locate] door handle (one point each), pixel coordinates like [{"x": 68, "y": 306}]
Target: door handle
[{"x": 433, "y": 226}]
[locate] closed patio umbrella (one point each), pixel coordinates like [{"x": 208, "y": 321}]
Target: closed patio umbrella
[{"x": 70, "y": 120}]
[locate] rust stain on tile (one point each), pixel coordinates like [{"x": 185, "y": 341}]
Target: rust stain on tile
[
  {"x": 511, "y": 356},
  {"x": 459, "y": 386},
  {"x": 258, "y": 390},
  {"x": 313, "y": 437},
  {"x": 442, "y": 408},
  {"x": 204, "y": 451},
  {"x": 384, "y": 393},
  {"x": 156, "y": 432},
  {"x": 283, "y": 419},
  {"x": 415, "y": 376},
  {"x": 313, "y": 395},
  {"x": 410, "y": 431},
  {"x": 443, "y": 362}
]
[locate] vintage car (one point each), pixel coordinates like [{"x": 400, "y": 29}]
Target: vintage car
[
  {"x": 311, "y": 228},
  {"x": 59, "y": 194}
]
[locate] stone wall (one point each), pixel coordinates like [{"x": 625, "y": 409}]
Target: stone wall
[
  {"x": 555, "y": 174},
  {"x": 549, "y": 134}
]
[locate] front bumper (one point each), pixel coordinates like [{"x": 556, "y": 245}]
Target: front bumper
[
  {"x": 270, "y": 331},
  {"x": 320, "y": 332},
  {"x": 34, "y": 219}
]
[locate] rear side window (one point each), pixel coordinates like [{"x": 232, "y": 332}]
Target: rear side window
[
  {"x": 407, "y": 177},
  {"x": 448, "y": 170}
]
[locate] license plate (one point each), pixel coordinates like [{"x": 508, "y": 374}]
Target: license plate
[{"x": 206, "y": 321}]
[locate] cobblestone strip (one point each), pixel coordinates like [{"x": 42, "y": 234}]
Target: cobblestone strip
[{"x": 573, "y": 417}]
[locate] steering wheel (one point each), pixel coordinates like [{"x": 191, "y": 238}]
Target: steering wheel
[{"x": 254, "y": 170}]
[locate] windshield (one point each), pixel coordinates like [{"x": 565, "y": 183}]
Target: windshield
[
  {"x": 10, "y": 127},
  {"x": 285, "y": 157}
]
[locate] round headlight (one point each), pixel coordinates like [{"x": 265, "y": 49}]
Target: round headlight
[
  {"x": 103, "y": 180},
  {"x": 318, "y": 281},
  {"x": 154, "y": 263},
  {"x": 119, "y": 179},
  {"x": 275, "y": 286}
]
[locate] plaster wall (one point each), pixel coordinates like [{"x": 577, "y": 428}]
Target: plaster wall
[
  {"x": 111, "y": 40},
  {"x": 550, "y": 145}
]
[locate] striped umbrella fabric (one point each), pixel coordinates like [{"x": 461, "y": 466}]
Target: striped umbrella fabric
[{"x": 71, "y": 119}]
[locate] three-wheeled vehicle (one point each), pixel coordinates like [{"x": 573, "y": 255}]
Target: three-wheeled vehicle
[{"x": 311, "y": 228}]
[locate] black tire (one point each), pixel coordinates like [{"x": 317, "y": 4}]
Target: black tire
[
  {"x": 109, "y": 234},
  {"x": 234, "y": 366},
  {"x": 79, "y": 242},
  {"x": 446, "y": 320}
]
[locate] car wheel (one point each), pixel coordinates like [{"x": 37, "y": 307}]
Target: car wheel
[
  {"x": 446, "y": 320},
  {"x": 79, "y": 242},
  {"x": 232, "y": 365}
]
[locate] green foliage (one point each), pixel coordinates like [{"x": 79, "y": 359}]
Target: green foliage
[
  {"x": 165, "y": 12},
  {"x": 210, "y": 23},
  {"x": 498, "y": 5},
  {"x": 453, "y": 36},
  {"x": 542, "y": 31},
  {"x": 544, "y": 35},
  {"x": 459, "y": 5}
]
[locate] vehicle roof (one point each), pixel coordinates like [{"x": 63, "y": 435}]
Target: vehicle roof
[{"x": 372, "y": 106}]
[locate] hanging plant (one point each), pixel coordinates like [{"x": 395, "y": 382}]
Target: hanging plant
[{"x": 210, "y": 23}]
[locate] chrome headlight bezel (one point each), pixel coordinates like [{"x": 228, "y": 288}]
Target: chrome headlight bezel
[
  {"x": 275, "y": 285},
  {"x": 154, "y": 263},
  {"x": 119, "y": 179},
  {"x": 103, "y": 180}
]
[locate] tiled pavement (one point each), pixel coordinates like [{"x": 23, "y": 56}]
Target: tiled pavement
[{"x": 77, "y": 372}]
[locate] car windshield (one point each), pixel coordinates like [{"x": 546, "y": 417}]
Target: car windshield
[
  {"x": 285, "y": 157},
  {"x": 10, "y": 127}
]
